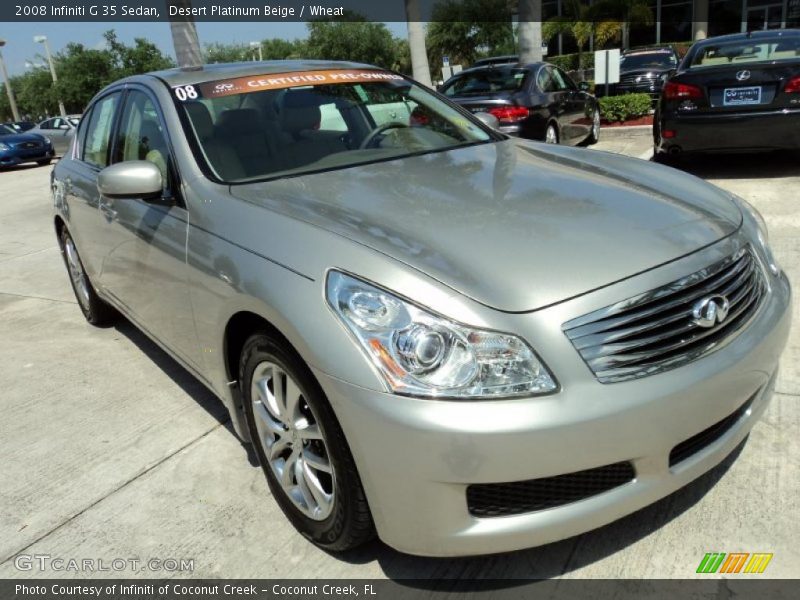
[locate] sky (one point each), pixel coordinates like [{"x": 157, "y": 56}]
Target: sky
[{"x": 20, "y": 46}]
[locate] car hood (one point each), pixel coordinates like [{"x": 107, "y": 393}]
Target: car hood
[
  {"x": 514, "y": 225},
  {"x": 648, "y": 71},
  {"x": 18, "y": 138}
]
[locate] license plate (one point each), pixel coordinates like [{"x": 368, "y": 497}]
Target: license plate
[{"x": 742, "y": 95}]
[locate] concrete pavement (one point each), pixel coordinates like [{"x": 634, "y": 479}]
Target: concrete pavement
[{"x": 111, "y": 450}]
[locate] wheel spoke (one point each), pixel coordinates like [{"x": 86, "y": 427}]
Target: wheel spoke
[
  {"x": 322, "y": 498},
  {"x": 279, "y": 379},
  {"x": 266, "y": 419},
  {"x": 288, "y": 471},
  {"x": 304, "y": 487},
  {"x": 278, "y": 446},
  {"x": 309, "y": 431},
  {"x": 292, "y": 401},
  {"x": 315, "y": 461}
]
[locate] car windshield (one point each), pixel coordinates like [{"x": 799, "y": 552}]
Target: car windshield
[
  {"x": 486, "y": 81},
  {"x": 746, "y": 51},
  {"x": 265, "y": 126},
  {"x": 649, "y": 60},
  {"x": 6, "y": 130}
]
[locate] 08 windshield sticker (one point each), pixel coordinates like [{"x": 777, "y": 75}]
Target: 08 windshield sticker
[{"x": 277, "y": 81}]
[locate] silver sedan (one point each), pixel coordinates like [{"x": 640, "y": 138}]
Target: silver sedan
[
  {"x": 461, "y": 342},
  {"x": 59, "y": 131}
]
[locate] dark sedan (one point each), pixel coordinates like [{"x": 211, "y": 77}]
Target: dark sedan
[
  {"x": 734, "y": 92},
  {"x": 645, "y": 70},
  {"x": 17, "y": 148},
  {"x": 537, "y": 101}
]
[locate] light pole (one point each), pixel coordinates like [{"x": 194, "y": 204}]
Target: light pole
[
  {"x": 255, "y": 45},
  {"x": 42, "y": 39},
  {"x": 11, "y": 100}
]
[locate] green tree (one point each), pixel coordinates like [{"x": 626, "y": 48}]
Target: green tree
[
  {"x": 142, "y": 57},
  {"x": 464, "y": 30},
  {"x": 614, "y": 18},
  {"x": 357, "y": 41}
]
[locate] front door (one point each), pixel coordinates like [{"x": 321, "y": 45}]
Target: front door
[{"x": 146, "y": 267}]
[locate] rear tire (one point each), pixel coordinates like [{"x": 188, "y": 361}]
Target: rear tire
[
  {"x": 594, "y": 134},
  {"x": 301, "y": 447},
  {"x": 551, "y": 134},
  {"x": 44, "y": 163},
  {"x": 96, "y": 310}
]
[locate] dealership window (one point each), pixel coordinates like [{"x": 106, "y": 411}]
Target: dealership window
[{"x": 724, "y": 16}]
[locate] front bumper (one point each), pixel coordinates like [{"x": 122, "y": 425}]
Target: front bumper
[
  {"x": 9, "y": 158},
  {"x": 768, "y": 130},
  {"x": 417, "y": 457}
]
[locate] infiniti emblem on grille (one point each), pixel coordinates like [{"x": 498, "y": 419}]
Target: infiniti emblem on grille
[
  {"x": 743, "y": 75},
  {"x": 710, "y": 310}
]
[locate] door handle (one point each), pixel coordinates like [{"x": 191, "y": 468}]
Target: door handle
[{"x": 109, "y": 212}]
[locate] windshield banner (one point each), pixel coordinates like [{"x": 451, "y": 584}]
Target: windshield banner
[{"x": 276, "y": 81}]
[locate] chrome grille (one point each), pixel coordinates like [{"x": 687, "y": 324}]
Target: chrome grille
[{"x": 656, "y": 331}]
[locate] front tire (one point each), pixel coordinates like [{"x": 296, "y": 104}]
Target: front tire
[
  {"x": 96, "y": 310},
  {"x": 44, "y": 163},
  {"x": 301, "y": 448}
]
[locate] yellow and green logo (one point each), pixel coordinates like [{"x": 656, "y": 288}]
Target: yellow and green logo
[{"x": 734, "y": 562}]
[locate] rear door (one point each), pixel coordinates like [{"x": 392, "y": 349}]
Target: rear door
[
  {"x": 575, "y": 119},
  {"x": 79, "y": 183}
]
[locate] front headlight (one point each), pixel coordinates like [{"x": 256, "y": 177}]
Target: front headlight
[
  {"x": 419, "y": 353},
  {"x": 4, "y": 147},
  {"x": 763, "y": 232}
]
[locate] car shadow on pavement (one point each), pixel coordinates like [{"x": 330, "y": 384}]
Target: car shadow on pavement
[
  {"x": 175, "y": 371},
  {"x": 761, "y": 165},
  {"x": 553, "y": 560}
]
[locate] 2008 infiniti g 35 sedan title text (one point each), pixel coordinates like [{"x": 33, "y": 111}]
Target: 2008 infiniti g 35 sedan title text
[{"x": 460, "y": 342}]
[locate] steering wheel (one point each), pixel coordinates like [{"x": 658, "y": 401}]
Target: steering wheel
[{"x": 377, "y": 131}]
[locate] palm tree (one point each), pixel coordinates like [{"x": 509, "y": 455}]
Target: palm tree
[
  {"x": 530, "y": 31},
  {"x": 617, "y": 16},
  {"x": 416, "y": 44},
  {"x": 184, "y": 38}
]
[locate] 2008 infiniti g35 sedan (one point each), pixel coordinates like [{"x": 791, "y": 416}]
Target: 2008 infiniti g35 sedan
[{"x": 461, "y": 342}]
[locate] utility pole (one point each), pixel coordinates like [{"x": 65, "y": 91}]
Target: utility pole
[
  {"x": 42, "y": 39},
  {"x": 7, "y": 82}
]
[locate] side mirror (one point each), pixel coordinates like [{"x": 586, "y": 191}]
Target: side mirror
[
  {"x": 488, "y": 119},
  {"x": 63, "y": 126},
  {"x": 130, "y": 179},
  {"x": 584, "y": 86}
]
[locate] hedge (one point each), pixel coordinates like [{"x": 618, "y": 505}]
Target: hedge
[{"x": 625, "y": 107}]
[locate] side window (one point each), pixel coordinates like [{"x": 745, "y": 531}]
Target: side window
[
  {"x": 545, "y": 80},
  {"x": 57, "y": 123},
  {"x": 558, "y": 79},
  {"x": 570, "y": 85},
  {"x": 98, "y": 132},
  {"x": 83, "y": 126},
  {"x": 46, "y": 124},
  {"x": 141, "y": 135}
]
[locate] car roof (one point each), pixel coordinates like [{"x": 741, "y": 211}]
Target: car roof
[
  {"x": 214, "y": 72},
  {"x": 499, "y": 66},
  {"x": 751, "y": 35}
]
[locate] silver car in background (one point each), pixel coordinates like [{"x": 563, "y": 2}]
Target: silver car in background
[
  {"x": 59, "y": 131},
  {"x": 462, "y": 342}
]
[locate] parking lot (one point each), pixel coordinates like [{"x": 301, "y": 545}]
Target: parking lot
[{"x": 111, "y": 450}]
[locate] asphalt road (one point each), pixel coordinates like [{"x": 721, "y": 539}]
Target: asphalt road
[{"x": 111, "y": 450}]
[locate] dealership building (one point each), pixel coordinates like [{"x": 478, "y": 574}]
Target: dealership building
[{"x": 687, "y": 20}]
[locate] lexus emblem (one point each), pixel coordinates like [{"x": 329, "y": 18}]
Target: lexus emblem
[
  {"x": 743, "y": 75},
  {"x": 710, "y": 310}
]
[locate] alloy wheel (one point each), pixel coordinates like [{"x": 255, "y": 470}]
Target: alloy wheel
[
  {"x": 550, "y": 136},
  {"x": 76, "y": 273},
  {"x": 596, "y": 125},
  {"x": 292, "y": 441}
]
